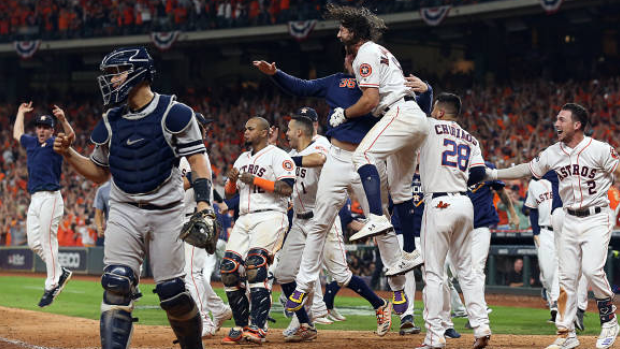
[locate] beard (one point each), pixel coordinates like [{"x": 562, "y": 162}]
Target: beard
[{"x": 248, "y": 144}]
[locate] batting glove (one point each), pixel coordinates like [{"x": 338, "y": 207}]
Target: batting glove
[{"x": 338, "y": 117}]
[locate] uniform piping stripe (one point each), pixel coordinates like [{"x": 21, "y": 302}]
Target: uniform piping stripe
[
  {"x": 49, "y": 233},
  {"x": 534, "y": 172},
  {"x": 380, "y": 133},
  {"x": 191, "y": 273},
  {"x": 341, "y": 246}
]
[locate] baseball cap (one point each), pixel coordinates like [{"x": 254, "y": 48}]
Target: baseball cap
[
  {"x": 45, "y": 120},
  {"x": 307, "y": 112}
]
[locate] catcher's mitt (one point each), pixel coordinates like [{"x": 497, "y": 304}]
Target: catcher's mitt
[{"x": 202, "y": 230}]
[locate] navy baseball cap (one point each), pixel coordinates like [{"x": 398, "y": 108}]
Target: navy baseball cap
[
  {"x": 45, "y": 120},
  {"x": 307, "y": 112}
]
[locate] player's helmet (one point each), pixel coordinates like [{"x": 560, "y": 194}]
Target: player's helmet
[{"x": 134, "y": 62}]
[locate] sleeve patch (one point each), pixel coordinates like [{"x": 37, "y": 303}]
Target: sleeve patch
[
  {"x": 178, "y": 117},
  {"x": 614, "y": 154},
  {"x": 288, "y": 165},
  {"x": 365, "y": 70}
]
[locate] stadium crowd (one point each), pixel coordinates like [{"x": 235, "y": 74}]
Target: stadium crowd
[
  {"x": 63, "y": 19},
  {"x": 513, "y": 122}
]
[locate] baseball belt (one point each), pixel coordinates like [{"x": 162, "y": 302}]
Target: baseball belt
[
  {"x": 406, "y": 98},
  {"x": 306, "y": 215},
  {"x": 438, "y": 195},
  {"x": 154, "y": 207},
  {"x": 546, "y": 227},
  {"x": 584, "y": 212}
]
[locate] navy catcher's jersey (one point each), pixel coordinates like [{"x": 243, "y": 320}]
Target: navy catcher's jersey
[
  {"x": 339, "y": 90},
  {"x": 418, "y": 203},
  {"x": 481, "y": 195},
  {"x": 44, "y": 164}
]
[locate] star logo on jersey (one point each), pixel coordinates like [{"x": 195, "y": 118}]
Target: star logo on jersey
[
  {"x": 288, "y": 165},
  {"x": 365, "y": 70}
]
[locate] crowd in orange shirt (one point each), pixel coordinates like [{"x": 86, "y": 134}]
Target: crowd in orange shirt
[
  {"x": 62, "y": 19},
  {"x": 513, "y": 123}
]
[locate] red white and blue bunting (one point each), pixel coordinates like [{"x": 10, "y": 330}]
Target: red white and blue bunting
[
  {"x": 26, "y": 49},
  {"x": 551, "y": 6},
  {"x": 164, "y": 40},
  {"x": 433, "y": 16},
  {"x": 301, "y": 29}
]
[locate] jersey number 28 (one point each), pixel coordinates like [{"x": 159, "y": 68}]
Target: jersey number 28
[{"x": 457, "y": 155}]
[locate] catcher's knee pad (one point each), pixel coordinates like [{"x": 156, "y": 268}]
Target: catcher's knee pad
[
  {"x": 229, "y": 270},
  {"x": 116, "y": 322},
  {"x": 182, "y": 312},
  {"x": 257, "y": 265}
]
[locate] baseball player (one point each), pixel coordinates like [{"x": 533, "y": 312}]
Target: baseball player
[
  {"x": 46, "y": 206},
  {"x": 539, "y": 201},
  {"x": 139, "y": 144},
  {"x": 586, "y": 169},
  {"x": 264, "y": 177},
  {"x": 450, "y": 161},
  {"x": 201, "y": 291},
  {"x": 338, "y": 174},
  {"x": 397, "y": 135},
  {"x": 309, "y": 156}
]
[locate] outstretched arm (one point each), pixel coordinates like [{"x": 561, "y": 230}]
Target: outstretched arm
[
  {"x": 294, "y": 85},
  {"x": 515, "y": 172},
  {"x": 18, "y": 128},
  {"x": 60, "y": 115},
  {"x": 283, "y": 187},
  {"x": 83, "y": 165}
]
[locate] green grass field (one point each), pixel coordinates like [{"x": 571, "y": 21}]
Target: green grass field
[{"x": 83, "y": 298}]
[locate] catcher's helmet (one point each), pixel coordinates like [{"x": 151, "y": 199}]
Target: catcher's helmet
[{"x": 134, "y": 62}]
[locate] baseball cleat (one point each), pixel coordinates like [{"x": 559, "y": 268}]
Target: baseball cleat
[
  {"x": 219, "y": 320},
  {"x": 579, "y": 320},
  {"x": 335, "y": 315},
  {"x": 400, "y": 302},
  {"x": 293, "y": 326},
  {"x": 407, "y": 326},
  {"x": 304, "y": 333},
  {"x": 208, "y": 331},
  {"x": 295, "y": 301},
  {"x": 565, "y": 340},
  {"x": 384, "y": 318},
  {"x": 323, "y": 320},
  {"x": 609, "y": 332},
  {"x": 408, "y": 262},
  {"x": 234, "y": 337},
  {"x": 376, "y": 225},
  {"x": 50, "y": 295},
  {"x": 255, "y": 335},
  {"x": 451, "y": 333},
  {"x": 554, "y": 314}
]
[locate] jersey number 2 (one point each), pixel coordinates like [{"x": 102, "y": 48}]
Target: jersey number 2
[{"x": 457, "y": 155}]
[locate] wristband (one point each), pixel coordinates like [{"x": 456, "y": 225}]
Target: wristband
[
  {"x": 230, "y": 188},
  {"x": 202, "y": 190},
  {"x": 265, "y": 184},
  {"x": 188, "y": 175},
  {"x": 344, "y": 113},
  {"x": 298, "y": 160}
]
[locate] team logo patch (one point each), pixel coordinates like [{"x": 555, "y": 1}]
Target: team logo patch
[
  {"x": 288, "y": 165},
  {"x": 365, "y": 70},
  {"x": 613, "y": 153}
]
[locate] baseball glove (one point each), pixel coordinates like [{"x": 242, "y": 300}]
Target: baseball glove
[{"x": 202, "y": 230}]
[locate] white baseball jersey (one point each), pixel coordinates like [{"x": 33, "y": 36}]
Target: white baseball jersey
[
  {"x": 306, "y": 184},
  {"x": 376, "y": 67},
  {"x": 540, "y": 197},
  {"x": 271, "y": 163},
  {"x": 189, "y": 200},
  {"x": 446, "y": 157},
  {"x": 585, "y": 172}
]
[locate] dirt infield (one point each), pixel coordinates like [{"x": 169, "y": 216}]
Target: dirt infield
[{"x": 34, "y": 330}]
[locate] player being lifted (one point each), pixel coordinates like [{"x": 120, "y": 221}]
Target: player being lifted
[
  {"x": 450, "y": 161},
  {"x": 139, "y": 144},
  {"x": 264, "y": 177},
  {"x": 397, "y": 135},
  {"x": 586, "y": 169}
]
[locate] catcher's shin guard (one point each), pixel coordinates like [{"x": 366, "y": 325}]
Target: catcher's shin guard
[
  {"x": 182, "y": 312},
  {"x": 116, "y": 323}
]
